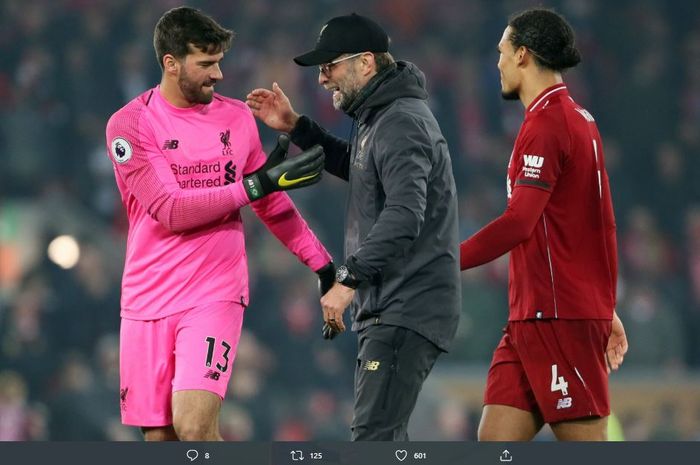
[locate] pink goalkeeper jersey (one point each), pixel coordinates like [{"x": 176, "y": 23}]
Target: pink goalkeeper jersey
[{"x": 179, "y": 173}]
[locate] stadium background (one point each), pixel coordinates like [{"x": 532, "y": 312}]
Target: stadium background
[{"x": 66, "y": 65}]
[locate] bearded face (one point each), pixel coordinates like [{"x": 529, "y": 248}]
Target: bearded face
[
  {"x": 196, "y": 89},
  {"x": 347, "y": 88}
]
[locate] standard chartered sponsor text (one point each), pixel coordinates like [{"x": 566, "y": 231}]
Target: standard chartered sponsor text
[{"x": 198, "y": 168}]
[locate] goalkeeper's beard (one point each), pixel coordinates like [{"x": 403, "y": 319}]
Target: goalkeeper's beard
[{"x": 192, "y": 91}]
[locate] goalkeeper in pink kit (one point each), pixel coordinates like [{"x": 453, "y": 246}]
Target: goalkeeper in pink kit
[{"x": 186, "y": 160}]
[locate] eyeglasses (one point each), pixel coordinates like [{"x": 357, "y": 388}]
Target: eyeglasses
[{"x": 327, "y": 67}]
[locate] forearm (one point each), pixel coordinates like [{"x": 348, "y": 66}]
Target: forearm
[
  {"x": 492, "y": 241},
  {"x": 177, "y": 209},
  {"x": 284, "y": 221},
  {"x": 183, "y": 210},
  {"x": 500, "y": 236},
  {"x": 307, "y": 133}
]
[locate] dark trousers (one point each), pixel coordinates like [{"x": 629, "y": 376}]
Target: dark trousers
[{"x": 392, "y": 364}]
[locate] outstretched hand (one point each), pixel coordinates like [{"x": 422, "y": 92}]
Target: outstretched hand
[{"x": 273, "y": 108}]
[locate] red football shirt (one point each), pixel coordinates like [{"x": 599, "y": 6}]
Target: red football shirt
[{"x": 563, "y": 261}]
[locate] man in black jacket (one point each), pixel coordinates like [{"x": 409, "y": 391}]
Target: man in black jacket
[{"x": 401, "y": 271}]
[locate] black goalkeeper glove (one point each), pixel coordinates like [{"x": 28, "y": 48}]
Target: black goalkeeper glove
[
  {"x": 326, "y": 279},
  {"x": 281, "y": 174}
]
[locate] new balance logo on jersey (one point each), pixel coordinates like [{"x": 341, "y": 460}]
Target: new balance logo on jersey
[
  {"x": 564, "y": 403},
  {"x": 371, "y": 365},
  {"x": 213, "y": 374},
  {"x": 170, "y": 144},
  {"x": 533, "y": 161}
]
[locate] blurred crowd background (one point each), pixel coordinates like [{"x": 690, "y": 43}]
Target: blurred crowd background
[{"x": 67, "y": 65}]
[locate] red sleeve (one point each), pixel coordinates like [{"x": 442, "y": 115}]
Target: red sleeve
[
  {"x": 508, "y": 230},
  {"x": 610, "y": 235},
  {"x": 540, "y": 153},
  {"x": 145, "y": 172}
]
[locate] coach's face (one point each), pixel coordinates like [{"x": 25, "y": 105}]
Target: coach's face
[
  {"x": 508, "y": 67},
  {"x": 346, "y": 78},
  {"x": 198, "y": 73}
]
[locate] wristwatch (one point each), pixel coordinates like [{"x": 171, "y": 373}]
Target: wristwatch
[{"x": 344, "y": 276}]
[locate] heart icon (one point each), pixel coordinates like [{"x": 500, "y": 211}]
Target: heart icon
[{"x": 401, "y": 455}]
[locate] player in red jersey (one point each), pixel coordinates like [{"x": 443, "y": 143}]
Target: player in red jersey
[{"x": 563, "y": 336}]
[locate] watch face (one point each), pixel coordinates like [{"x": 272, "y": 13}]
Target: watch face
[{"x": 341, "y": 274}]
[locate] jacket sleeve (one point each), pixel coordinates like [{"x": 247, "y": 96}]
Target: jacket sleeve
[
  {"x": 308, "y": 133},
  {"x": 283, "y": 219},
  {"x": 403, "y": 161},
  {"x": 143, "y": 169}
]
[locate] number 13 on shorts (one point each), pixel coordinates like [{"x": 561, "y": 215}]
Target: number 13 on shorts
[{"x": 211, "y": 344}]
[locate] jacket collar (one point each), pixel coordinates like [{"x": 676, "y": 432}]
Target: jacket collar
[{"x": 355, "y": 107}]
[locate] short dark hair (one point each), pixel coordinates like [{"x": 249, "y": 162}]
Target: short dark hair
[
  {"x": 383, "y": 60},
  {"x": 547, "y": 35},
  {"x": 182, "y": 26}
]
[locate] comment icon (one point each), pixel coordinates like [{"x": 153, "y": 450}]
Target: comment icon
[{"x": 192, "y": 454}]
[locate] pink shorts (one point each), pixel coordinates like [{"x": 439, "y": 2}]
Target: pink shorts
[
  {"x": 193, "y": 349},
  {"x": 552, "y": 367}
]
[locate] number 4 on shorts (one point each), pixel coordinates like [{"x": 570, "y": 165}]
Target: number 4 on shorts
[{"x": 558, "y": 383}]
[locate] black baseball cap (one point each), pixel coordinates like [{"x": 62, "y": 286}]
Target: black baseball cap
[{"x": 345, "y": 34}]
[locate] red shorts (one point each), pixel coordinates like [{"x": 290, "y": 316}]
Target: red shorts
[
  {"x": 190, "y": 350},
  {"x": 555, "y": 368}
]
